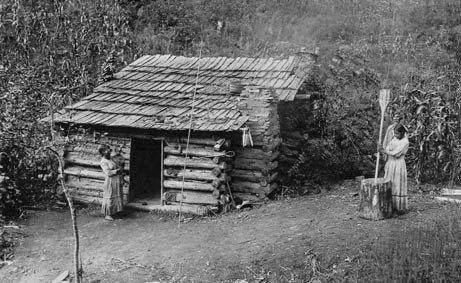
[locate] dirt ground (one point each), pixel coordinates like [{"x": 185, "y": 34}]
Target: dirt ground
[{"x": 276, "y": 242}]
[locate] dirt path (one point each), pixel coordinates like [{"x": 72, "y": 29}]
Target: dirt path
[{"x": 266, "y": 244}]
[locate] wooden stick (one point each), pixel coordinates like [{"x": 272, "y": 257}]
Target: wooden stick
[
  {"x": 379, "y": 144},
  {"x": 61, "y": 277},
  {"x": 73, "y": 217},
  {"x": 384, "y": 96}
]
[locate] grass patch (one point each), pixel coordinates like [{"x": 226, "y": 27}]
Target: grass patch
[{"x": 427, "y": 252}]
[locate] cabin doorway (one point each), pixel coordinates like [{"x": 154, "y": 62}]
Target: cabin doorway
[{"x": 146, "y": 170}]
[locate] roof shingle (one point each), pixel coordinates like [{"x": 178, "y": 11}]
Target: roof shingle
[{"x": 156, "y": 92}]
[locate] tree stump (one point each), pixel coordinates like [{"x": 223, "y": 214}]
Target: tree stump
[{"x": 375, "y": 199}]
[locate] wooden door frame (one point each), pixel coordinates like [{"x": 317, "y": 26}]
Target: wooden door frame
[{"x": 162, "y": 142}]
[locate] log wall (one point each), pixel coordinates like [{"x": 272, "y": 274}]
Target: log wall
[
  {"x": 205, "y": 179},
  {"x": 201, "y": 177},
  {"x": 255, "y": 167},
  {"x": 82, "y": 172}
]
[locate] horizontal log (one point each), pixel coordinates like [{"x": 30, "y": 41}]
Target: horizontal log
[
  {"x": 107, "y": 139},
  {"x": 209, "y": 142},
  {"x": 247, "y": 187},
  {"x": 287, "y": 159},
  {"x": 246, "y": 175},
  {"x": 176, "y": 144},
  {"x": 195, "y": 186},
  {"x": 86, "y": 183},
  {"x": 257, "y": 165},
  {"x": 93, "y": 150},
  {"x": 196, "y": 209},
  {"x": 80, "y": 161},
  {"x": 89, "y": 142},
  {"x": 78, "y": 158},
  {"x": 287, "y": 151},
  {"x": 192, "y": 174},
  {"x": 172, "y": 160},
  {"x": 256, "y": 153},
  {"x": 254, "y": 188},
  {"x": 193, "y": 151},
  {"x": 84, "y": 192},
  {"x": 190, "y": 197},
  {"x": 219, "y": 159},
  {"x": 86, "y": 199},
  {"x": 85, "y": 173},
  {"x": 254, "y": 176},
  {"x": 88, "y": 172},
  {"x": 272, "y": 146},
  {"x": 291, "y": 143}
]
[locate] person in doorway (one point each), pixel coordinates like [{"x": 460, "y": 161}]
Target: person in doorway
[
  {"x": 395, "y": 169},
  {"x": 112, "y": 201}
]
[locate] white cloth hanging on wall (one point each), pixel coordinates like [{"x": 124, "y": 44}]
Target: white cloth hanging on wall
[{"x": 247, "y": 139}]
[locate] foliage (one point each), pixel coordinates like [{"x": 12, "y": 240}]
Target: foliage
[
  {"x": 51, "y": 54},
  {"x": 433, "y": 119},
  {"x": 343, "y": 134},
  {"x": 427, "y": 253}
]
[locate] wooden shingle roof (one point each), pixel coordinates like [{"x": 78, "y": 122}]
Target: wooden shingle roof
[{"x": 155, "y": 92}]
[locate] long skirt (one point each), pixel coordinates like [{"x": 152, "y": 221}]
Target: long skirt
[
  {"x": 396, "y": 172},
  {"x": 112, "y": 201}
]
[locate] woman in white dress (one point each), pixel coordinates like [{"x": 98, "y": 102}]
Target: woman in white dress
[
  {"x": 396, "y": 169},
  {"x": 112, "y": 195}
]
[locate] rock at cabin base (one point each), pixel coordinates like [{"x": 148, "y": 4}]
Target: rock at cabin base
[{"x": 375, "y": 199}]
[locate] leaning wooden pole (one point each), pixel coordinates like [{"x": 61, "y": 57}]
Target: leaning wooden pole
[
  {"x": 73, "y": 216},
  {"x": 384, "y": 97}
]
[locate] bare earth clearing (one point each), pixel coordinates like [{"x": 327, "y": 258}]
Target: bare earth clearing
[{"x": 273, "y": 243}]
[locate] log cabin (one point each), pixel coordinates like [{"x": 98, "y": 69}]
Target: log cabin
[{"x": 191, "y": 133}]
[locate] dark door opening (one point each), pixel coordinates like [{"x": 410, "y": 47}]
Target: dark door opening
[{"x": 146, "y": 170}]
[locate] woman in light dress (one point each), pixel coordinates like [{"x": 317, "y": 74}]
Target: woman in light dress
[
  {"x": 396, "y": 169},
  {"x": 112, "y": 201}
]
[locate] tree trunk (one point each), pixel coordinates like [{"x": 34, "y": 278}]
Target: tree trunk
[
  {"x": 375, "y": 199},
  {"x": 73, "y": 215}
]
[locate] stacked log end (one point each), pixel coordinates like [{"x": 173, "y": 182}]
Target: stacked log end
[
  {"x": 197, "y": 174},
  {"x": 255, "y": 167},
  {"x": 82, "y": 172}
]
